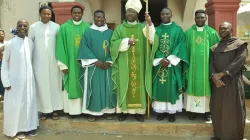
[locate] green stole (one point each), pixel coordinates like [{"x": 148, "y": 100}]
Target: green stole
[
  {"x": 199, "y": 43},
  {"x": 169, "y": 83},
  {"x": 68, "y": 42}
]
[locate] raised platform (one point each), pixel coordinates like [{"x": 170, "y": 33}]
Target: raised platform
[{"x": 182, "y": 126}]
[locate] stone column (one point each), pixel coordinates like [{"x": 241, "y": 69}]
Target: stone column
[
  {"x": 222, "y": 10},
  {"x": 62, "y": 10}
]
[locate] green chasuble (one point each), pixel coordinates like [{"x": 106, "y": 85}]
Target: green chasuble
[
  {"x": 199, "y": 43},
  {"x": 169, "y": 83},
  {"x": 68, "y": 42},
  {"x": 96, "y": 45},
  {"x": 132, "y": 69}
]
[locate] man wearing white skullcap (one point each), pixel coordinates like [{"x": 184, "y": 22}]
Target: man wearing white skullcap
[{"x": 132, "y": 62}]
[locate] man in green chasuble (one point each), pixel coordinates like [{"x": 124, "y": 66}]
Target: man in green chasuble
[
  {"x": 132, "y": 63},
  {"x": 200, "y": 38},
  {"x": 170, "y": 64},
  {"x": 68, "y": 42},
  {"x": 94, "y": 56}
]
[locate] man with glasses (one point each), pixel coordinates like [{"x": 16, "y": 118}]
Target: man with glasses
[{"x": 94, "y": 56}]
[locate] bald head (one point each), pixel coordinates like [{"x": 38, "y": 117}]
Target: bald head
[
  {"x": 225, "y": 23},
  {"x": 225, "y": 30},
  {"x": 22, "y": 20},
  {"x": 22, "y": 28}
]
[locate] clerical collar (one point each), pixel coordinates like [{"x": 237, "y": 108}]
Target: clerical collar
[
  {"x": 46, "y": 23},
  {"x": 167, "y": 23},
  {"x": 101, "y": 29},
  {"x": 200, "y": 29},
  {"x": 77, "y": 22},
  {"x": 20, "y": 37},
  {"x": 132, "y": 23}
]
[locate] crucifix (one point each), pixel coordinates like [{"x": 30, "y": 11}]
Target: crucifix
[
  {"x": 165, "y": 36},
  {"x": 136, "y": 40},
  {"x": 162, "y": 80}
]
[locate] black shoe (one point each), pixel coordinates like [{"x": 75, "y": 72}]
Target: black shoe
[
  {"x": 207, "y": 117},
  {"x": 171, "y": 118},
  {"x": 33, "y": 133},
  {"x": 91, "y": 118},
  {"x": 214, "y": 138},
  {"x": 122, "y": 117},
  {"x": 139, "y": 118},
  {"x": 71, "y": 116},
  {"x": 192, "y": 116},
  {"x": 160, "y": 116}
]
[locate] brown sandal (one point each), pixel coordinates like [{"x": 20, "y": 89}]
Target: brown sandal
[
  {"x": 55, "y": 116},
  {"x": 44, "y": 116}
]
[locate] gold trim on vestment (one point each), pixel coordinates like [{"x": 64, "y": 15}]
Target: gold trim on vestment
[
  {"x": 133, "y": 68},
  {"x": 134, "y": 105},
  {"x": 199, "y": 40}
]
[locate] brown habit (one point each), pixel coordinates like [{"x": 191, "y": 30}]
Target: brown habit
[{"x": 227, "y": 103}]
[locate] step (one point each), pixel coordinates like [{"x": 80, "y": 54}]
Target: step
[{"x": 182, "y": 127}]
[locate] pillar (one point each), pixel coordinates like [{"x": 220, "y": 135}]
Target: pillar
[{"x": 222, "y": 10}]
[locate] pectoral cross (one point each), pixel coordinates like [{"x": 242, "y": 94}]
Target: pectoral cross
[
  {"x": 165, "y": 36},
  {"x": 162, "y": 80},
  {"x": 105, "y": 46},
  {"x": 133, "y": 37}
]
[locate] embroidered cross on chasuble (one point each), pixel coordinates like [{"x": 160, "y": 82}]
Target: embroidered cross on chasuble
[
  {"x": 165, "y": 49},
  {"x": 77, "y": 40}
]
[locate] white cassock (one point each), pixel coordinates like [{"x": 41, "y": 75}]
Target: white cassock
[
  {"x": 71, "y": 106},
  {"x": 20, "y": 106},
  {"x": 124, "y": 47},
  {"x": 47, "y": 73},
  {"x": 165, "y": 107},
  {"x": 194, "y": 103}
]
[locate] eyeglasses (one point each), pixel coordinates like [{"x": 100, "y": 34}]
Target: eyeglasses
[{"x": 99, "y": 17}]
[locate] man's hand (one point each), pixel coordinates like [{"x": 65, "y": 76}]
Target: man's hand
[
  {"x": 99, "y": 64},
  {"x": 131, "y": 42},
  {"x": 218, "y": 76},
  {"x": 66, "y": 71},
  {"x": 106, "y": 65},
  {"x": 219, "y": 83},
  {"x": 148, "y": 19},
  {"x": 8, "y": 88},
  {"x": 164, "y": 63}
]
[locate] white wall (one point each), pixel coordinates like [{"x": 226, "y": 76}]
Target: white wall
[
  {"x": 178, "y": 6},
  {"x": 112, "y": 8},
  {"x": 13, "y": 10},
  {"x": 88, "y": 14}
]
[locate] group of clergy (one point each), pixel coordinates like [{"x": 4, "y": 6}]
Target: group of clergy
[{"x": 124, "y": 71}]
